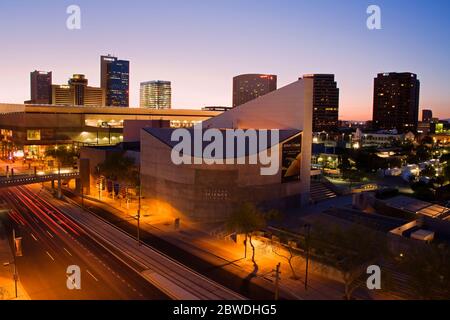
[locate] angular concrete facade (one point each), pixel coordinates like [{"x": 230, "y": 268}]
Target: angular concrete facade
[
  {"x": 208, "y": 193},
  {"x": 290, "y": 107}
]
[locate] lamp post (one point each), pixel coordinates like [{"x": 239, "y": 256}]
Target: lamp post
[
  {"x": 109, "y": 133},
  {"x": 277, "y": 281},
  {"x": 59, "y": 194},
  {"x": 245, "y": 246},
  {"x": 16, "y": 252},
  {"x": 82, "y": 192},
  {"x": 138, "y": 217},
  {"x": 307, "y": 226}
]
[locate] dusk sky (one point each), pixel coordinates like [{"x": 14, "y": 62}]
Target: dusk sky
[{"x": 200, "y": 45}]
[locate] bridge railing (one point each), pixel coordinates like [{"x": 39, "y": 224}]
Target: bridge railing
[{"x": 30, "y": 179}]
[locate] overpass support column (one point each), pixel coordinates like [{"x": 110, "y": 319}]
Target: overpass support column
[
  {"x": 59, "y": 193},
  {"x": 78, "y": 185},
  {"x": 85, "y": 176}
]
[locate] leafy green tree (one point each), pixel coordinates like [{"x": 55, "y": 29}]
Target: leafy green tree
[
  {"x": 118, "y": 167},
  {"x": 427, "y": 141},
  {"x": 440, "y": 180},
  {"x": 428, "y": 270},
  {"x": 350, "y": 251},
  {"x": 247, "y": 219},
  {"x": 428, "y": 171},
  {"x": 423, "y": 191},
  {"x": 288, "y": 252},
  {"x": 348, "y": 171},
  {"x": 407, "y": 147},
  {"x": 445, "y": 158},
  {"x": 446, "y": 173},
  {"x": 423, "y": 153},
  {"x": 65, "y": 156}
]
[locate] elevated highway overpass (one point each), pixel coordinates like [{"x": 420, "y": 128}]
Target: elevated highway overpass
[{"x": 25, "y": 179}]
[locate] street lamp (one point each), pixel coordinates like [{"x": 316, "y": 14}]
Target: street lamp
[
  {"x": 17, "y": 243},
  {"x": 138, "y": 217},
  {"x": 307, "y": 226}
]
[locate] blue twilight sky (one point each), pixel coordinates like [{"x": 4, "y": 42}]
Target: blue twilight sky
[{"x": 201, "y": 44}]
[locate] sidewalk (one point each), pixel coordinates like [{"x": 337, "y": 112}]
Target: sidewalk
[
  {"x": 7, "y": 287},
  {"x": 229, "y": 255}
]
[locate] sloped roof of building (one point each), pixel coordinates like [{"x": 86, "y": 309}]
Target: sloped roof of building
[
  {"x": 122, "y": 146},
  {"x": 165, "y": 136},
  {"x": 417, "y": 206}
]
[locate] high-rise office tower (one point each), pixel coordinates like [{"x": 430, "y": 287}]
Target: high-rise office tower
[
  {"x": 78, "y": 83},
  {"x": 41, "y": 87},
  {"x": 247, "y": 87},
  {"x": 396, "y": 101},
  {"x": 115, "y": 80},
  {"x": 325, "y": 102},
  {"x": 78, "y": 93},
  {"x": 156, "y": 94},
  {"x": 427, "y": 115}
]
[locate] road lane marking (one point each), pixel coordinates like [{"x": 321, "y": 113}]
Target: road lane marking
[
  {"x": 67, "y": 251},
  {"x": 91, "y": 275},
  {"x": 50, "y": 234},
  {"x": 32, "y": 235},
  {"x": 50, "y": 255}
]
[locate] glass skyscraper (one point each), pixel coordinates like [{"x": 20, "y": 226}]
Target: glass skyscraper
[
  {"x": 247, "y": 87},
  {"x": 396, "y": 101},
  {"x": 115, "y": 79},
  {"x": 325, "y": 102},
  {"x": 156, "y": 95},
  {"x": 41, "y": 87}
]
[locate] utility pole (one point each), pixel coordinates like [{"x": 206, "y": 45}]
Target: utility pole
[
  {"x": 59, "y": 194},
  {"x": 139, "y": 207},
  {"x": 17, "y": 252},
  {"x": 82, "y": 192},
  {"x": 277, "y": 281},
  {"x": 15, "y": 264},
  {"x": 307, "y": 239},
  {"x": 139, "y": 213},
  {"x": 245, "y": 247}
]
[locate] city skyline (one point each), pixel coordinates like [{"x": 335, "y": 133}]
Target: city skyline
[
  {"x": 227, "y": 152},
  {"x": 199, "y": 49}
]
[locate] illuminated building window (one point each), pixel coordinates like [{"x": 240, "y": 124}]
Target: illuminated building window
[{"x": 33, "y": 135}]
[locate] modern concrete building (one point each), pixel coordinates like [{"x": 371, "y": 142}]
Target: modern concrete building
[
  {"x": 247, "y": 87},
  {"x": 77, "y": 93},
  {"x": 156, "y": 95},
  {"x": 32, "y": 129},
  {"x": 325, "y": 102},
  {"x": 379, "y": 139},
  {"x": 396, "y": 101},
  {"x": 40, "y": 87},
  {"x": 208, "y": 192},
  {"x": 115, "y": 80},
  {"x": 216, "y": 108}
]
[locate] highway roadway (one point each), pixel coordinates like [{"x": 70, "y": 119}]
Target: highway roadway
[{"x": 52, "y": 242}]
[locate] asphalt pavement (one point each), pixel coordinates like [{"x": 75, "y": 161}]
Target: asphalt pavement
[{"x": 51, "y": 243}]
